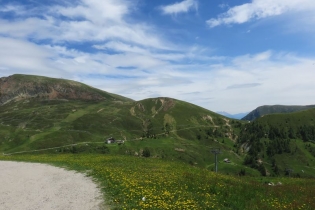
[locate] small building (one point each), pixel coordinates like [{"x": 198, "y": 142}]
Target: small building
[
  {"x": 110, "y": 140},
  {"x": 227, "y": 160}
]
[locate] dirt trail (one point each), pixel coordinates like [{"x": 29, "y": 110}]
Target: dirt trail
[{"x": 34, "y": 186}]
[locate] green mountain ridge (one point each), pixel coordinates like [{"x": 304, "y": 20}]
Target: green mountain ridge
[
  {"x": 282, "y": 141},
  {"x": 274, "y": 109}
]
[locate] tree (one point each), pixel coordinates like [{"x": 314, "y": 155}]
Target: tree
[
  {"x": 146, "y": 152},
  {"x": 167, "y": 128},
  {"x": 242, "y": 172},
  {"x": 147, "y": 128},
  {"x": 291, "y": 133},
  {"x": 262, "y": 170},
  {"x": 276, "y": 170}
]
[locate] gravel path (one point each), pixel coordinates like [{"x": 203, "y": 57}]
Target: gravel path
[{"x": 34, "y": 186}]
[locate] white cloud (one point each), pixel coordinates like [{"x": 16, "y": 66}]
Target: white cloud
[
  {"x": 279, "y": 79},
  {"x": 180, "y": 7},
  {"x": 275, "y": 79},
  {"x": 98, "y": 12},
  {"x": 141, "y": 62},
  {"x": 87, "y": 20},
  {"x": 166, "y": 55},
  {"x": 12, "y": 8},
  {"x": 259, "y": 9},
  {"x": 24, "y": 57},
  {"x": 121, "y": 47},
  {"x": 102, "y": 21}
]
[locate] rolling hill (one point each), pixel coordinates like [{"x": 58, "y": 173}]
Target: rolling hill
[{"x": 18, "y": 87}]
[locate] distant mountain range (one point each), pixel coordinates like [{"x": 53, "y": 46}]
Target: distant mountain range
[
  {"x": 233, "y": 116},
  {"x": 275, "y": 109}
]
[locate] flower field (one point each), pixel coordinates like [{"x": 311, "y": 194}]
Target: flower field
[{"x": 147, "y": 183}]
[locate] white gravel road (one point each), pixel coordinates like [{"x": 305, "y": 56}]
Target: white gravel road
[{"x": 34, "y": 186}]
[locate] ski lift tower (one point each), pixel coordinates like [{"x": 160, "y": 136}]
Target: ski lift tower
[{"x": 216, "y": 151}]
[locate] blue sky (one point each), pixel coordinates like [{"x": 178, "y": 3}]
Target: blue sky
[{"x": 223, "y": 55}]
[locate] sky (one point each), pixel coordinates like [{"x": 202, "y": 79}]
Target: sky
[{"x": 223, "y": 55}]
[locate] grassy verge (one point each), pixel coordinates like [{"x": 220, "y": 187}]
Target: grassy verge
[{"x": 148, "y": 183}]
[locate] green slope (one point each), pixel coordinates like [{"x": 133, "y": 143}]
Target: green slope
[
  {"x": 169, "y": 128},
  {"x": 282, "y": 141},
  {"x": 275, "y": 109}
]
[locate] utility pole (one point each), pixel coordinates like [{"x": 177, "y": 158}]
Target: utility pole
[{"x": 216, "y": 151}]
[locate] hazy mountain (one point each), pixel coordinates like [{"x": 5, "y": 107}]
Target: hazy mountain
[{"x": 233, "y": 116}]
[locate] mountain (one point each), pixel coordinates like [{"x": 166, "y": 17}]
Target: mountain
[
  {"x": 38, "y": 113},
  {"x": 264, "y": 110},
  {"x": 19, "y": 87},
  {"x": 233, "y": 116}
]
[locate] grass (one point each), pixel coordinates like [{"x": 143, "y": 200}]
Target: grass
[{"x": 126, "y": 181}]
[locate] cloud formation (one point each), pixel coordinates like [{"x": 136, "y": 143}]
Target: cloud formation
[
  {"x": 179, "y": 7},
  {"x": 85, "y": 20},
  {"x": 259, "y": 9}
]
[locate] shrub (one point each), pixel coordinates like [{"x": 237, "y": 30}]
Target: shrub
[{"x": 146, "y": 152}]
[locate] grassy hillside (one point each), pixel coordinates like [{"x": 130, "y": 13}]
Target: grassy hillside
[
  {"x": 275, "y": 109},
  {"x": 166, "y": 128}
]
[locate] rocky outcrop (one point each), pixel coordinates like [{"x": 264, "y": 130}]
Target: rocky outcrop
[{"x": 17, "y": 87}]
